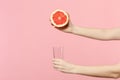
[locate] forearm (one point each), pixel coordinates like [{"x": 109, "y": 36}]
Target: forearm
[
  {"x": 100, "y": 34},
  {"x": 99, "y": 71}
]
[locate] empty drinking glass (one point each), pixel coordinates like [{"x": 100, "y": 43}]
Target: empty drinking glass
[{"x": 58, "y": 52}]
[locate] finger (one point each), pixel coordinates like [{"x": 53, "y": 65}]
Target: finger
[
  {"x": 52, "y": 24},
  {"x": 58, "y": 67},
  {"x": 62, "y": 28},
  {"x": 56, "y": 63},
  {"x": 62, "y": 70},
  {"x": 57, "y": 60}
]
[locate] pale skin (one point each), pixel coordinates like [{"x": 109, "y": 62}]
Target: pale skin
[{"x": 103, "y": 71}]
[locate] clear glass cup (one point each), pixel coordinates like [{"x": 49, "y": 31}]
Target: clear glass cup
[{"x": 58, "y": 52}]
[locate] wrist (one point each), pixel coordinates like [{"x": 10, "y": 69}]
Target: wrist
[
  {"x": 76, "y": 69},
  {"x": 79, "y": 70},
  {"x": 72, "y": 29}
]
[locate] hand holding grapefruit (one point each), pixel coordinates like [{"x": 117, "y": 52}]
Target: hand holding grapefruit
[{"x": 59, "y": 18}]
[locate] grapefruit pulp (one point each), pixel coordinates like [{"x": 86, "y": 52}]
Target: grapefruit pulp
[{"x": 59, "y": 18}]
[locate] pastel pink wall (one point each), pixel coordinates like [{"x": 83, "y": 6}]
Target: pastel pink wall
[{"x": 26, "y": 37}]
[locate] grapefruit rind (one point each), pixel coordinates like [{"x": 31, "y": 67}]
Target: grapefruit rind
[{"x": 59, "y": 25}]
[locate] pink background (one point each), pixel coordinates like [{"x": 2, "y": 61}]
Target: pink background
[{"x": 26, "y": 37}]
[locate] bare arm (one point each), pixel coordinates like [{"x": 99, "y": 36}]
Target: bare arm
[
  {"x": 111, "y": 71},
  {"x": 97, "y": 33},
  {"x": 91, "y": 32}
]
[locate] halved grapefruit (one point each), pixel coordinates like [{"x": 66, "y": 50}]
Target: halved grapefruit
[{"x": 59, "y": 18}]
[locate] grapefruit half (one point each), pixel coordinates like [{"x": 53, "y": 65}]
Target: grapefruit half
[{"x": 59, "y": 18}]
